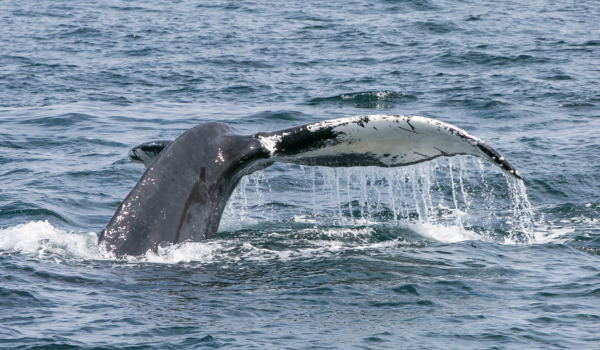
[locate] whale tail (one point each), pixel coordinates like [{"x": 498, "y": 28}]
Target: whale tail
[
  {"x": 376, "y": 140},
  {"x": 353, "y": 142},
  {"x": 187, "y": 183},
  {"x": 146, "y": 152}
]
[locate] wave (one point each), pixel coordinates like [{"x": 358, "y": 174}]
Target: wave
[
  {"x": 257, "y": 242},
  {"x": 41, "y": 239},
  {"x": 488, "y": 59}
]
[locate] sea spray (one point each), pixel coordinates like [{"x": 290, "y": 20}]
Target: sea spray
[
  {"x": 460, "y": 193},
  {"x": 43, "y": 240},
  {"x": 523, "y": 225}
]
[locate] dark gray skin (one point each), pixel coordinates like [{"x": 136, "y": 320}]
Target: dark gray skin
[{"x": 182, "y": 195}]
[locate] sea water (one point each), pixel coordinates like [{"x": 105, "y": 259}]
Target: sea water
[{"x": 440, "y": 255}]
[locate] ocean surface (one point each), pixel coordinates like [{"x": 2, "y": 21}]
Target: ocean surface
[{"x": 450, "y": 254}]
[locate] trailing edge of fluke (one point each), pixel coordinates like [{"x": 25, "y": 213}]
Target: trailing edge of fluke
[{"x": 188, "y": 181}]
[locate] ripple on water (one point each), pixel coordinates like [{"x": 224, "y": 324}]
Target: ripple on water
[{"x": 454, "y": 258}]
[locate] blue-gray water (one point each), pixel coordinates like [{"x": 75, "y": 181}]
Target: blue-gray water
[{"x": 443, "y": 255}]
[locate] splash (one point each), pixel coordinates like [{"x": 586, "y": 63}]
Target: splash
[
  {"x": 447, "y": 200},
  {"x": 523, "y": 215},
  {"x": 45, "y": 241},
  {"x": 311, "y": 211},
  {"x": 190, "y": 251}
]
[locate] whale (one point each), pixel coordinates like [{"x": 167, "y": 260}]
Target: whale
[{"x": 188, "y": 181}]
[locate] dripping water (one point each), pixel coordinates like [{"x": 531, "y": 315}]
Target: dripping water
[{"x": 460, "y": 193}]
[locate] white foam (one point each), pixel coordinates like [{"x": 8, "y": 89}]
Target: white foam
[
  {"x": 228, "y": 251},
  {"x": 345, "y": 232},
  {"x": 185, "y": 252},
  {"x": 551, "y": 235},
  {"x": 443, "y": 233},
  {"x": 44, "y": 240}
]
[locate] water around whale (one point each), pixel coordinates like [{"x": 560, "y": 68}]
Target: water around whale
[{"x": 449, "y": 254}]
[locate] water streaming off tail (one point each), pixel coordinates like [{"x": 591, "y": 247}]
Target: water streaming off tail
[{"x": 462, "y": 193}]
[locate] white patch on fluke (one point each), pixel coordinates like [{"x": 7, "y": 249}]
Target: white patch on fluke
[
  {"x": 392, "y": 140},
  {"x": 270, "y": 143}
]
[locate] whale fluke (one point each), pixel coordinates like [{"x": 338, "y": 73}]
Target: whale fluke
[
  {"x": 188, "y": 181},
  {"x": 147, "y": 151}
]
